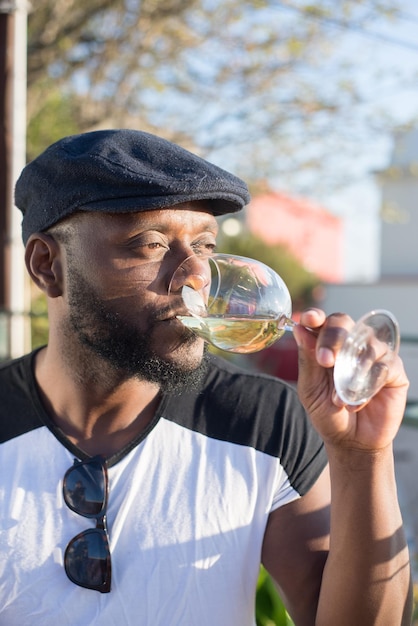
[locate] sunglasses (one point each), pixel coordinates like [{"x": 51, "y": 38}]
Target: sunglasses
[{"x": 87, "y": 556}]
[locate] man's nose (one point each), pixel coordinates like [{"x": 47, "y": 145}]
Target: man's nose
[{"x": 193, "y": 272}]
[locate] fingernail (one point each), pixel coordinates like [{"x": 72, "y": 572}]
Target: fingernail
[{"x": 326, "y": 357}]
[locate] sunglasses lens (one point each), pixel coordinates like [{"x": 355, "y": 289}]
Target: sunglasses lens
[
  {"x": 87, "y": 560},
  {"x": 84, "y": 489}
]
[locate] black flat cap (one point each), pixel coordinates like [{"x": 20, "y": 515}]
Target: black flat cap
[{"x": 119, "y": 171}]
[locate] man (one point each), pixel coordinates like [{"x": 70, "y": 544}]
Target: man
[{"x": 142, "y": 481}]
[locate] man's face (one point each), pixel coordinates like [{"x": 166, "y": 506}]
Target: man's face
[{"x": 118, "y": 270}]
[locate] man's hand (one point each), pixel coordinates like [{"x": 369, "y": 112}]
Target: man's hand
[{"x": 371, "y": 426}]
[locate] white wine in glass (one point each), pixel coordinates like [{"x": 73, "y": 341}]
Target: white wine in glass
[{"x": 241, "y": 305}]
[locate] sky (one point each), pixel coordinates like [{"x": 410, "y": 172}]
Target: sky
[{"x": 393, "y": 47}]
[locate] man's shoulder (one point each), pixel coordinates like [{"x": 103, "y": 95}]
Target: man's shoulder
[
  {"x": 262, "y": 412},
  {"x": 17, "y": 414},
  {"x": 240, "y": 406},
  {"x": 227, "y": 377},
  {"x": 15, "y": 372}
]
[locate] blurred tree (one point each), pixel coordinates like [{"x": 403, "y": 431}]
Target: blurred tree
[{"x": 250, "y": 84}]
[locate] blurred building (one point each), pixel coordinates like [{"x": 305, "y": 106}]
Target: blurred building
[
  {"x": 397, "y": 286},
  {"x": 399, "y": 210},
  {"x": 310, "y": 232},
  {"x": 397, "y": 290}
]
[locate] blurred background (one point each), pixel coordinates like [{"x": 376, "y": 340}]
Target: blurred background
[{"x": 314, "y": 104}]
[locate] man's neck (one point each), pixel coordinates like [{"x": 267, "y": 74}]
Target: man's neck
[{"x": 101, "y": 414}]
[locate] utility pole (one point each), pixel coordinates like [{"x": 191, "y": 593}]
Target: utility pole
[{"x": 14, "y": 298}]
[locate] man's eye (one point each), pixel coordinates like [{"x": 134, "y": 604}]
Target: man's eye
[
  {"x": 148, "y": 249},
  {"x": 151, "y": 245},
  {"x": 204, "y": 247}
]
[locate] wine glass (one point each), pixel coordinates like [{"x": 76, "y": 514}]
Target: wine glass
[{"x": 241, "y": 305}]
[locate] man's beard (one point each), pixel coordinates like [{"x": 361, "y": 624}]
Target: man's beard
[{"x": 120, "y": 344}]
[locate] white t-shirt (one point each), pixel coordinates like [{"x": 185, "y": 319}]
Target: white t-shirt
[{"x": 188, "y": 504}]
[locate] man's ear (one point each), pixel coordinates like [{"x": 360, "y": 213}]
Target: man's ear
[{"x": 44, "y": 263}]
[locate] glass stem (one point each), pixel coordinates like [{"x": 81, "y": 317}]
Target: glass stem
[{"x": 289, "y": 325}]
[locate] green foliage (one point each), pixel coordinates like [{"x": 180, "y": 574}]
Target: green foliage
[
  {"x": 415, "y": 605},
  {"x": 39, "y": 321},
  {"x": 270, "y": 610},
  {"x": 56, "y": 117},
  {"x": 300, "y": 282}
]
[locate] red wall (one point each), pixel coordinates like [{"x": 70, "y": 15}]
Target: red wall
[{"x": 311, "y": 233}]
